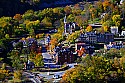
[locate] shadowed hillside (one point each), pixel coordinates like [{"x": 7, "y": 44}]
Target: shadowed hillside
[{"x": 11, "y": 7}]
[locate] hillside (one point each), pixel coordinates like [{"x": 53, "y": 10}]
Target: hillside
[{"x": 11, "y": 7}]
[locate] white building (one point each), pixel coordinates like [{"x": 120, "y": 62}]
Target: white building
[
  {"x": 121, "y": 1},
  {"x": 123, "y": 33},
  {"x": 114, "y": 29}
]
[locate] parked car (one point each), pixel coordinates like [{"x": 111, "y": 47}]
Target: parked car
[{"x": 58, "y": 75}]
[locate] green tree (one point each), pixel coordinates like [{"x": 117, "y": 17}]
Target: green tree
[
  {"x": 15, "y": 59},
  {"x": 112, "y": 53},
  {"x": 81, "y": 21},
  {"x": 3, "y": 66},
  {"x": 71, "y": 38},
  {"x": 71, "y": 18},
  {"x": 7, "y": 36},
  {"x": 47, "y": 22},
  {"x": 29, "y": 14},
  {"x": 96, "y": 69},
  {"x": 39, "y": 60}
]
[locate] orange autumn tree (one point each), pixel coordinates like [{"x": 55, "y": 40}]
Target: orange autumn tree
[
  {"x": 17, "y": 17},
  {"x": 81, "y": 51},
  {"x": 68, "y": 10},
  {"x": 53, "y": 43},
  {"x": 106, "y": 3},
  {"x": 89, "y": 28}
]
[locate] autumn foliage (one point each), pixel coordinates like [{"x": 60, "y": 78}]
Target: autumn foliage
[
  {"x": 89, "y": 28},
  {"x": 81, "y": 51},
  {"x": 18, "y": 17},
  {"x": 67, "y": 9},
  {"x": 97, "y": 69}
]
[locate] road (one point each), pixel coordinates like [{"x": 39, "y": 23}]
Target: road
[
  {"x": 52, "y": 75},
  {"x": 32, "y": 77}
]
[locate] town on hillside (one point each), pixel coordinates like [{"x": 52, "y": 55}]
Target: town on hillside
[{"x": 79, "y": 42}]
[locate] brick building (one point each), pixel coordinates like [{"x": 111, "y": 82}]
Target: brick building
[{"x": 65, "y": 55}]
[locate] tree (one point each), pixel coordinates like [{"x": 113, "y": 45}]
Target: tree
[
  {"x": 3, "y": 66},
  {"x": 81, "y": 51},
  {"x": 15, "y": 59},
  {"x": 112, "y": 53},
  {"x": 39, "y": 60},
  {"x": 105, "y": 28},
  {"x": 17, "y": 76},
  {"x": 76, "y": 11},
  {"x": 81, "y": 21},
  {"x": 17, "y": 17},
  {"x": 106, "y": 4},
  {"x": 89, "y": 28},
  {"x": 93, "y": 13},
  {"x": 117, "y": 20},
  {"x": 3, "y": 74},
  {"x": 96, "y": 69},
  {"x": 68, "y": 10},
  {"x": 122, "y": 51},
  {"x": 99, "y": 6},
  {"x": 48, "y": 12},
  {"x": 71, "y": 38},
  {"x": 105, "y": 18},
  {"x": 71, "y": 18},
  {"x": 1, "y": 59},
  {"x": 53, "y": 43},
  {"x": 7, "y": 36},
  {"x": 47, "y": 22},
  {"x": 56, "y": 11},
  {"x": 106, "y": 25},
  {"x": 73, "y": 75},
  {"x": 29, "y": 15},
  {"x": 32, "y": 33},
  {"x": 58, "y": 36}
]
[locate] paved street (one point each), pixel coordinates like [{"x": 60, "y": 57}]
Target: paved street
[{"x": 54, "y": 75}]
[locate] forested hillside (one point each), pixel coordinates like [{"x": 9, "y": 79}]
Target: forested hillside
[{"x": 11, "y": 7}]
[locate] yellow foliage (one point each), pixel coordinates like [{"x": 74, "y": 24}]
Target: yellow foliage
[
  {"x": 89, "y": 28},
  {"x": 105, "y": 28},
  {"x": 3, "y": 73},
  {"x": 56, "y": 10},
  {"x": 116, "y": 19},
  {"x": 17, "y": 74}
]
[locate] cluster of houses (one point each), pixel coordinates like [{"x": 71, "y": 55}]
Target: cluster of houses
[
  {"x": 116, "y": 45},
  {"x": 90, "y": 41},
  {"x": 93, "y": 37}
]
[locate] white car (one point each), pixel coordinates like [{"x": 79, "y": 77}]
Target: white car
[{"x": 56, "y": 76}]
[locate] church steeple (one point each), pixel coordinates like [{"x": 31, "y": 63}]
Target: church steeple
[
  {"x": 65, "y": 24},
  {"x": 65, "y": 19}
]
